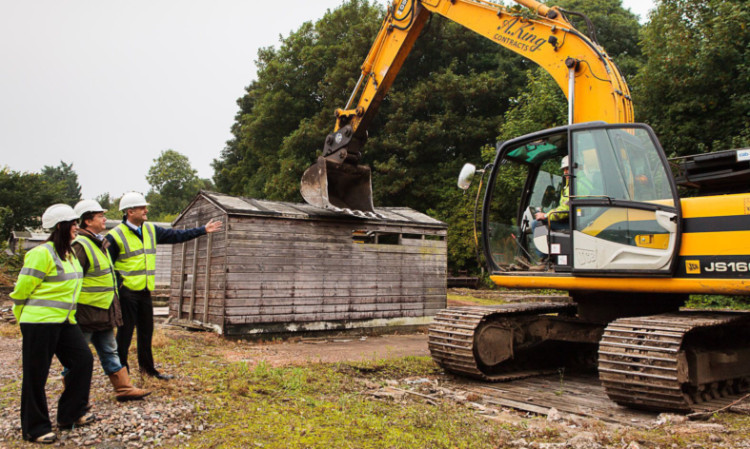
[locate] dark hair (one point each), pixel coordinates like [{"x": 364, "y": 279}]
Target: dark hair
[
  {"x": 84, "y": 217},
  {"x": 60, "y": 237}
]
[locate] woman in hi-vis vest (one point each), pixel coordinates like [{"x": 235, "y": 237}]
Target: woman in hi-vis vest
[{"x": 44, "y": 303}]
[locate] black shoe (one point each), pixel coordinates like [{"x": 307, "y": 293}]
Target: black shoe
[
  {"x": 84, "y": 420},
  {"x": 47, "y": 438},
  {"x": 160, "y": 376}
]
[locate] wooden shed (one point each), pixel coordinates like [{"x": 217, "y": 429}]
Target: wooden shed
[{"x": 282, "y": 267}]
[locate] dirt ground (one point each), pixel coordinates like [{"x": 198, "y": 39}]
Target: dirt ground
[{"x": 300, "y": 351}]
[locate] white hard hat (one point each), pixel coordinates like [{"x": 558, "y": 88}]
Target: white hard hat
[
  {"x": 132, "y": 199},
  {"x": 84, "y": 206},
  {"x": 564, "y": 163},
  {"x": 58, "y": 213}
]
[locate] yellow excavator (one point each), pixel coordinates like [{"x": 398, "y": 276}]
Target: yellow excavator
[{"x": 627, "y": 248}]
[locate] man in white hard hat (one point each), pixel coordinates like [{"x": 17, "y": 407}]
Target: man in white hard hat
[
  {"x": 133, "y": 250},
  {"x": 557, "y": 218},
  {"x": 98, "y": 305}
]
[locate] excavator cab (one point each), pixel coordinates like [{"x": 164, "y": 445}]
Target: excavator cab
[{"x": 622, "y": 214}]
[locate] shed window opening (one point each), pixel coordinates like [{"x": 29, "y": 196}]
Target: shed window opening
[{"x": 388, "y": 238}]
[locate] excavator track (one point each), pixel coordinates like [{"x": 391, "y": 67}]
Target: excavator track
[
  {"x": 645, "y": 362},
  {"x": 454, "y": 336}
]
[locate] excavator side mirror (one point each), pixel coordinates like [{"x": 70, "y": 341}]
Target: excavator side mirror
[{"x": 466, "y": 175}]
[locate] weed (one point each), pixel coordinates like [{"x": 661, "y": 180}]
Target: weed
[
  {"x": 718, "y": 302},
  {"x": 314, "y": 406},
  {"x": 10, "y": 330},
  {"x": 561, "y": 372},
  {"x": 159, "y": 339}
]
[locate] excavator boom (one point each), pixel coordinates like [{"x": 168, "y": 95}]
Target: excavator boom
[{"x": 590, "y": 80}]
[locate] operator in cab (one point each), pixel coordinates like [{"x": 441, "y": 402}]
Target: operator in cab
[{"x": 557, "y": 217}]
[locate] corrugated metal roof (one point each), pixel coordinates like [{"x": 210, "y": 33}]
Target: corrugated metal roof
[{"x": 236, "y": 205}]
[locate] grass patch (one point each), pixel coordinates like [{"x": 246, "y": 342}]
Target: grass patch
[
  {"x": 718, "y": 302},
  {"x": 315, "y": 406},
  {"x": 475, "y": 300},
  {"x": 321, "y": 406},
  {"x": 396, "y": 368},
  {"x": 10, "y": 330}
]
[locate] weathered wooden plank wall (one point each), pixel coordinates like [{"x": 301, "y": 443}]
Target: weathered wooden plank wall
[
  {"x": 272, "y": 269},
  {"x": 188, "y": 292},
  {"x": 163, "y": 265}
]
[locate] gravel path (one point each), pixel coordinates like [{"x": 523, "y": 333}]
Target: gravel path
[{"x": 165, "y": 418}]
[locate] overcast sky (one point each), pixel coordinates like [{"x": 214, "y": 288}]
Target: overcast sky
[{"x": 108, "y": 86}]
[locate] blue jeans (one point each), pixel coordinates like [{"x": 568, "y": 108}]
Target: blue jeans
[{"x": 106, "y": 348}]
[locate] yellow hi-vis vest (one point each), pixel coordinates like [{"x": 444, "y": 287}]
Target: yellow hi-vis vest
[
  {"x": 47, "y": 287},
  {"x": 99, "y": 282},
  {"x": 136, "y": 262}
]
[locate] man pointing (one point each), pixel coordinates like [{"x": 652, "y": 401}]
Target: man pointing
[{"x": 133, "y": 250}]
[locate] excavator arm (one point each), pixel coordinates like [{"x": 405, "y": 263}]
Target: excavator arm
[{"x": 589, "y": 78}]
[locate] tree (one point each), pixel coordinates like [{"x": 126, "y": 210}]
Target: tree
[
  {"x": 24, "y": 197},
  {"x": 542, "y": 104},
  {"x": 174, "y": 183},
  {"x": 448, "y": 101},
  {"x": 297, "y": 89},
  {"x": 616, "y": 29},
  {"x": 105, "y": 201},
  {"x": 65, "y": 175},
  {"x": 695, "y": 88}
]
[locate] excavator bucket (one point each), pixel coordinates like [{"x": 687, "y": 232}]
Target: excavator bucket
[{"x": 339, "y": 186}]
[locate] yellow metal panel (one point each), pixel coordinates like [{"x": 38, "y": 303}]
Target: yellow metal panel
[
  {"x": 616, "y": 215},
  {"x": 658, "y": 241},
  {"x": 640, "y": 285},
  {"x": 600, "y": 90},
  {"x": 529, "y": 37},
  {"x": 715, "y": 243},
  {"x": 716, "y": 206}
]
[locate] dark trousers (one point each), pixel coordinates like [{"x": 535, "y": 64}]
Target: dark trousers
[
  {"x": 137, "y": 313},
  {"x": 40, "y": 342}
]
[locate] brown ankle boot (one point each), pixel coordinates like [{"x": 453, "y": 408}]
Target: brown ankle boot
[{"x": 124, "y": 390}]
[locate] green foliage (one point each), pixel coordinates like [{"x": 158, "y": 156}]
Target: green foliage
[
  {"x": 68, "y": 178},
  {"x": 695, "y": 87},
  {"x": 24, "y": 197},
  {"x": 446, "y": 103},
  {"x": 288, "y": 110},
  {"x": 111, "y": 205},
  {"x": 105, "y": 200},
  {"x": 718, "y": 302},
  {"x": 10, "y": 264},
  {"x": 174, "y": 183},
  {"x": 617, "y": 30},
  {"x": 541, "y": 104}
]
